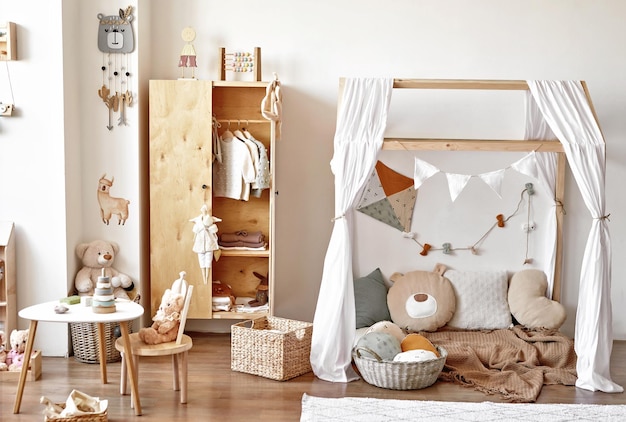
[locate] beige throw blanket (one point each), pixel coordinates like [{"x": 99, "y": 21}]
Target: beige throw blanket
[{"x": 514, "y": 363}]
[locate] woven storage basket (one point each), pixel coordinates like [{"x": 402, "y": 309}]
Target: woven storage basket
[
  {"x": 271, "y": 347},
  {"x": 399, "y": 375},
  {"x": 92, "y": 417},
  {"x": 85, "y": 341}
]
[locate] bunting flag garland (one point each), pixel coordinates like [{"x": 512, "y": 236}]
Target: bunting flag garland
[
  {"x": 494, "y": 180},
  {"x": 526, "y": 165},
  {"x": 423, "y": 171},
  {"x": 456, "y": 184},
  {"x": 389, "y": 197}
]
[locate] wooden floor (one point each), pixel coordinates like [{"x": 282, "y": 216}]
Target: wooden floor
[{"x": 219, "y": 394}]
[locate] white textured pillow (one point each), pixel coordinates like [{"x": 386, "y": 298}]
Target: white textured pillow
[{"x": 481, "y": 300}]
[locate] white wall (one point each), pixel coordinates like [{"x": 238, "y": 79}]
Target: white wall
[{"x": 56, "y": 145}]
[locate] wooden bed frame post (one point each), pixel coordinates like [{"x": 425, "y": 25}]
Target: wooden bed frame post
[{"x": 559, "y": 192}]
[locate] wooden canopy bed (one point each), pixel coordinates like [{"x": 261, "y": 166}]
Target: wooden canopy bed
[
  {"x": 491, "y": 145},
  {"x": 363, "y": 101}
]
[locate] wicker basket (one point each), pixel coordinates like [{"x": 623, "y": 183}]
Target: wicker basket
[
  {"x": 85, "y": 341},
  {"x": 399, "y": 375},
  {"x": 271, "y": 347},
  {"x": 91, "y": 417}
]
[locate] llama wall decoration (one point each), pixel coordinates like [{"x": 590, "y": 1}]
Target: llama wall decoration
[{"x": 110, "y": 205}]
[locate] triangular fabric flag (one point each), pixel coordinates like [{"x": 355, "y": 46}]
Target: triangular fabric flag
[
  {"x": 494, "y": 180},
  {"x": 456, "y": 184},
  {"x": 403, "y": 203},
  {"x": 527, "y": 165},
  {"x": 373, "y": 191},
  {"x": 383, "y": 212},
  {"x": 423, "y": 171},
  {"x": 392, "y": 181}
]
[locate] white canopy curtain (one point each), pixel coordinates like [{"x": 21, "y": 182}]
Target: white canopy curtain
[
  {"x": 361, "y": 123},
  {"x": 538, "y": 129},
  {"x": 565, "y": 107}
]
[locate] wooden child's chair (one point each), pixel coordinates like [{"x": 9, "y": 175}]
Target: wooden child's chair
[{"x": 178, "y": 349}]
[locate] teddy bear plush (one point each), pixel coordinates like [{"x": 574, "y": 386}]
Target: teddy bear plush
[
  {"x": 3, "y": 352},
  {"x": 96, "y": 256},
  {"x": 15, "y": 357},
  {"x": 166, "y": 321}
]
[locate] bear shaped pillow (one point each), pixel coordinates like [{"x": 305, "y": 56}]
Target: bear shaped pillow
[{"x": 421, "y": 300}]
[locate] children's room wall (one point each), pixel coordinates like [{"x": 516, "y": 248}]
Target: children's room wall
[{"x": 56, "y": 146}]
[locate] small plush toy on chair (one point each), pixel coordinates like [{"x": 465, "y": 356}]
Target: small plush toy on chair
[{"x": 167, "y": 319}]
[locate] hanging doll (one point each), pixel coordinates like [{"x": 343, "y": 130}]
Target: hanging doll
[{"x": 205, "y": 239}]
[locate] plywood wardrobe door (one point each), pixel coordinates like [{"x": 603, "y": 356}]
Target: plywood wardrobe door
[{"x": 180, "y": 183}]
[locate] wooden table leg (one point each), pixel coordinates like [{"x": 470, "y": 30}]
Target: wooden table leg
[
  {"x": 29, "y": 349},
  {"x": 102, "y": 351},
  {"x": 130, "y": 367}
]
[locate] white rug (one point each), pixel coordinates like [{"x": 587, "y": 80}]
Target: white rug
[{"x": 356, "y": 409}]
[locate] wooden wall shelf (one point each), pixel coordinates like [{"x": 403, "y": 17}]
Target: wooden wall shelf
[
  {"x": 8, "y": 41},
  {"x": 8, "y": 283}
]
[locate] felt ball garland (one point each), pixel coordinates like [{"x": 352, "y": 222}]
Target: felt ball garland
[{"x": 447, "y": 248}]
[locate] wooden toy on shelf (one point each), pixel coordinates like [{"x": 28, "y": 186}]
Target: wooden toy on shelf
[{"x": 240, "y": 62}]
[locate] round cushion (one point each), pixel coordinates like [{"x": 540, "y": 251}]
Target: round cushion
[
  {"x": 385, "y": 345},
  {"x": 416, "y": 355},
  {"x": 387, "y": 327},
  {"x": 416, "y": 341},
  {"x": 420, "y": 300}
]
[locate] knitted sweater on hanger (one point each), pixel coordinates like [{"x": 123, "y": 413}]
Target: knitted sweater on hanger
[{"x": 232, "y": 177}]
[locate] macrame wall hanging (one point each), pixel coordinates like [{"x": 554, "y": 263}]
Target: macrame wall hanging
[{"x": 116, "y": 41}]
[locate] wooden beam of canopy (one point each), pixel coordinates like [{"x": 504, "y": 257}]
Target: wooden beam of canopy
[
  {"x": 421, "y": 144},
  {"x": 507, "y": 85}
]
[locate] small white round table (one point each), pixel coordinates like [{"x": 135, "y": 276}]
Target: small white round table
[{"x": 125, "y": 311}]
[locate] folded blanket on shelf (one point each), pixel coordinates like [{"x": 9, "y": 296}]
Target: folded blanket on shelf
[
  {"x": 241, "y": 244},
  {"x": 244, "y": 248},
  {"x": 242, "y": 236}
]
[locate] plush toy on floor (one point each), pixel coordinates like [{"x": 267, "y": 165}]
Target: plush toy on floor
[
  {"x": 96, "y": 256},
  {"x": 15, "y": 357},
  {"x": 3, "y": 352},
  {"x": 167, "y": 319}
]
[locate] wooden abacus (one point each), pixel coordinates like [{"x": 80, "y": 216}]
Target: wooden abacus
[{"x": 240, "y": 62}]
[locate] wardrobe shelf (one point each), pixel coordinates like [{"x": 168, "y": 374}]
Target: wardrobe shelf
[
  {"x": 231, "y": 252},
  {"x": 240, "y": 84},
  {"x": 238, "y": 315}
]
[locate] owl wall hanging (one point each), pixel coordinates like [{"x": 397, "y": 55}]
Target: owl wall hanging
[{"x": 116, "y": 40}]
